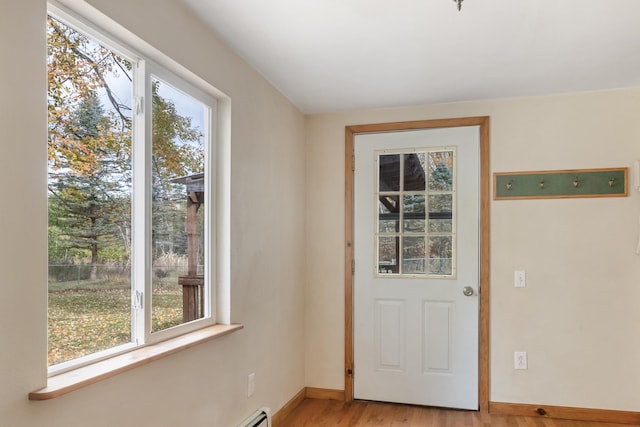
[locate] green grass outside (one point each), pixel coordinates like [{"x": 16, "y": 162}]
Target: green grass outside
[{"x": 95, "y": 316}]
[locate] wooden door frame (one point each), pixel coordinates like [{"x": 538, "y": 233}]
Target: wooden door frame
[{"x": 483, "y": 349}]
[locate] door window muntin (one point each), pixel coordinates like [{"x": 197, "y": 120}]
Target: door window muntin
[{"x": 415, "y": 211}]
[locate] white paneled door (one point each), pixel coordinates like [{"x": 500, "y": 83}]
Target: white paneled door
[{"x": 416, "y": 277}]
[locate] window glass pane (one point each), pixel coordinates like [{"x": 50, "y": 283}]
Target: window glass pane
[
  {"x": 388, "y": 214},
  {"x": 389, "y": 168},
  {"x": 441, "y": 171},
  {"x": 440, "y": 225},
  {"x": 413, "y": 255},
  {"x": 440, "y": 203},
  {"x": 414, "y": 171},
  {"x": 388, "y": 254},
  {"x": 440, "y": 255},
  {"x": 413, "y": 213},
  {"x": 416, "y": 212},
  {"x": 89, "y": 195},
  {"x": 178, "y": 197}
]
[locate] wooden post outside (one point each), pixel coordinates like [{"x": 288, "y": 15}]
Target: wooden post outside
[{"x": 193, "y": 283}]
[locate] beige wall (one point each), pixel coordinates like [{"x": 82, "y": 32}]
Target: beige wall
[
  {"x": 206, "y": 385},
  {"x": 579, "y": 316}
]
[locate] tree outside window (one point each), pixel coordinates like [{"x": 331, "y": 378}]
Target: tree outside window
[{"x": 92, "y": 299}]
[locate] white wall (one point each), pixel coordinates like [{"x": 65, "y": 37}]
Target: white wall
[
  {"x": 579, "y": 316},
  {"x": 206, "y": 385}
]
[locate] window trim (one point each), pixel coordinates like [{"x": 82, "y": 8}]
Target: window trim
[{"x": 217, "y": 321}]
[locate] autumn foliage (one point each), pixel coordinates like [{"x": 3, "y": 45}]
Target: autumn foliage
[{"x": 90, "y": 152}]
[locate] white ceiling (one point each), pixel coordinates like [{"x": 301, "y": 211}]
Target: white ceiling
[{"x": 335, "y": 55}]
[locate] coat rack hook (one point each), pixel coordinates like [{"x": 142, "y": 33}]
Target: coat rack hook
[
  {"x": 541, "y": 184},
  {"x": 509, "y": 185},
  {"x": 576, "y": 182},
  {"x": 612, "y": 181}
]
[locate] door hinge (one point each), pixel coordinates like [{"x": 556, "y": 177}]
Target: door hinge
[
  {"x": 353, "y": 266},
  {"x": 349, "y": 372},
  {"x": 353, "y": 163}
]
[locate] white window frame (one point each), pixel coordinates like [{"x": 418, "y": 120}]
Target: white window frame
[{"x": 216, "y": 211}]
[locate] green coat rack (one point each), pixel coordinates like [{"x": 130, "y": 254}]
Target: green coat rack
[{"x": 611, "y": 182}]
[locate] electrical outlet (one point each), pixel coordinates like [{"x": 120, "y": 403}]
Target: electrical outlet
[
  {"x": 520, "y": 360},
  {"x": 251, "y": 384},
  {"x": 519, "y": 279}
]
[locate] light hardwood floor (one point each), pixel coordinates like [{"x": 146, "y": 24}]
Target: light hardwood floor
[{"x": 331, "y": 413}]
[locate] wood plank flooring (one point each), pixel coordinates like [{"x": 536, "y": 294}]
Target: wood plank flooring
[{"x": 331, "y": 413}]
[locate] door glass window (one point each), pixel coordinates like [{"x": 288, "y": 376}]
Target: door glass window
[{"x": 416, "y": 212}]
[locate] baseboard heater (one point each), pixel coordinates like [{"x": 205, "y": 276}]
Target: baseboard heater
[{"x": 260, "y": 418}]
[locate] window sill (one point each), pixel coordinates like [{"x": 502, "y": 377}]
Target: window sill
[{"x": 67, "y": 382}]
